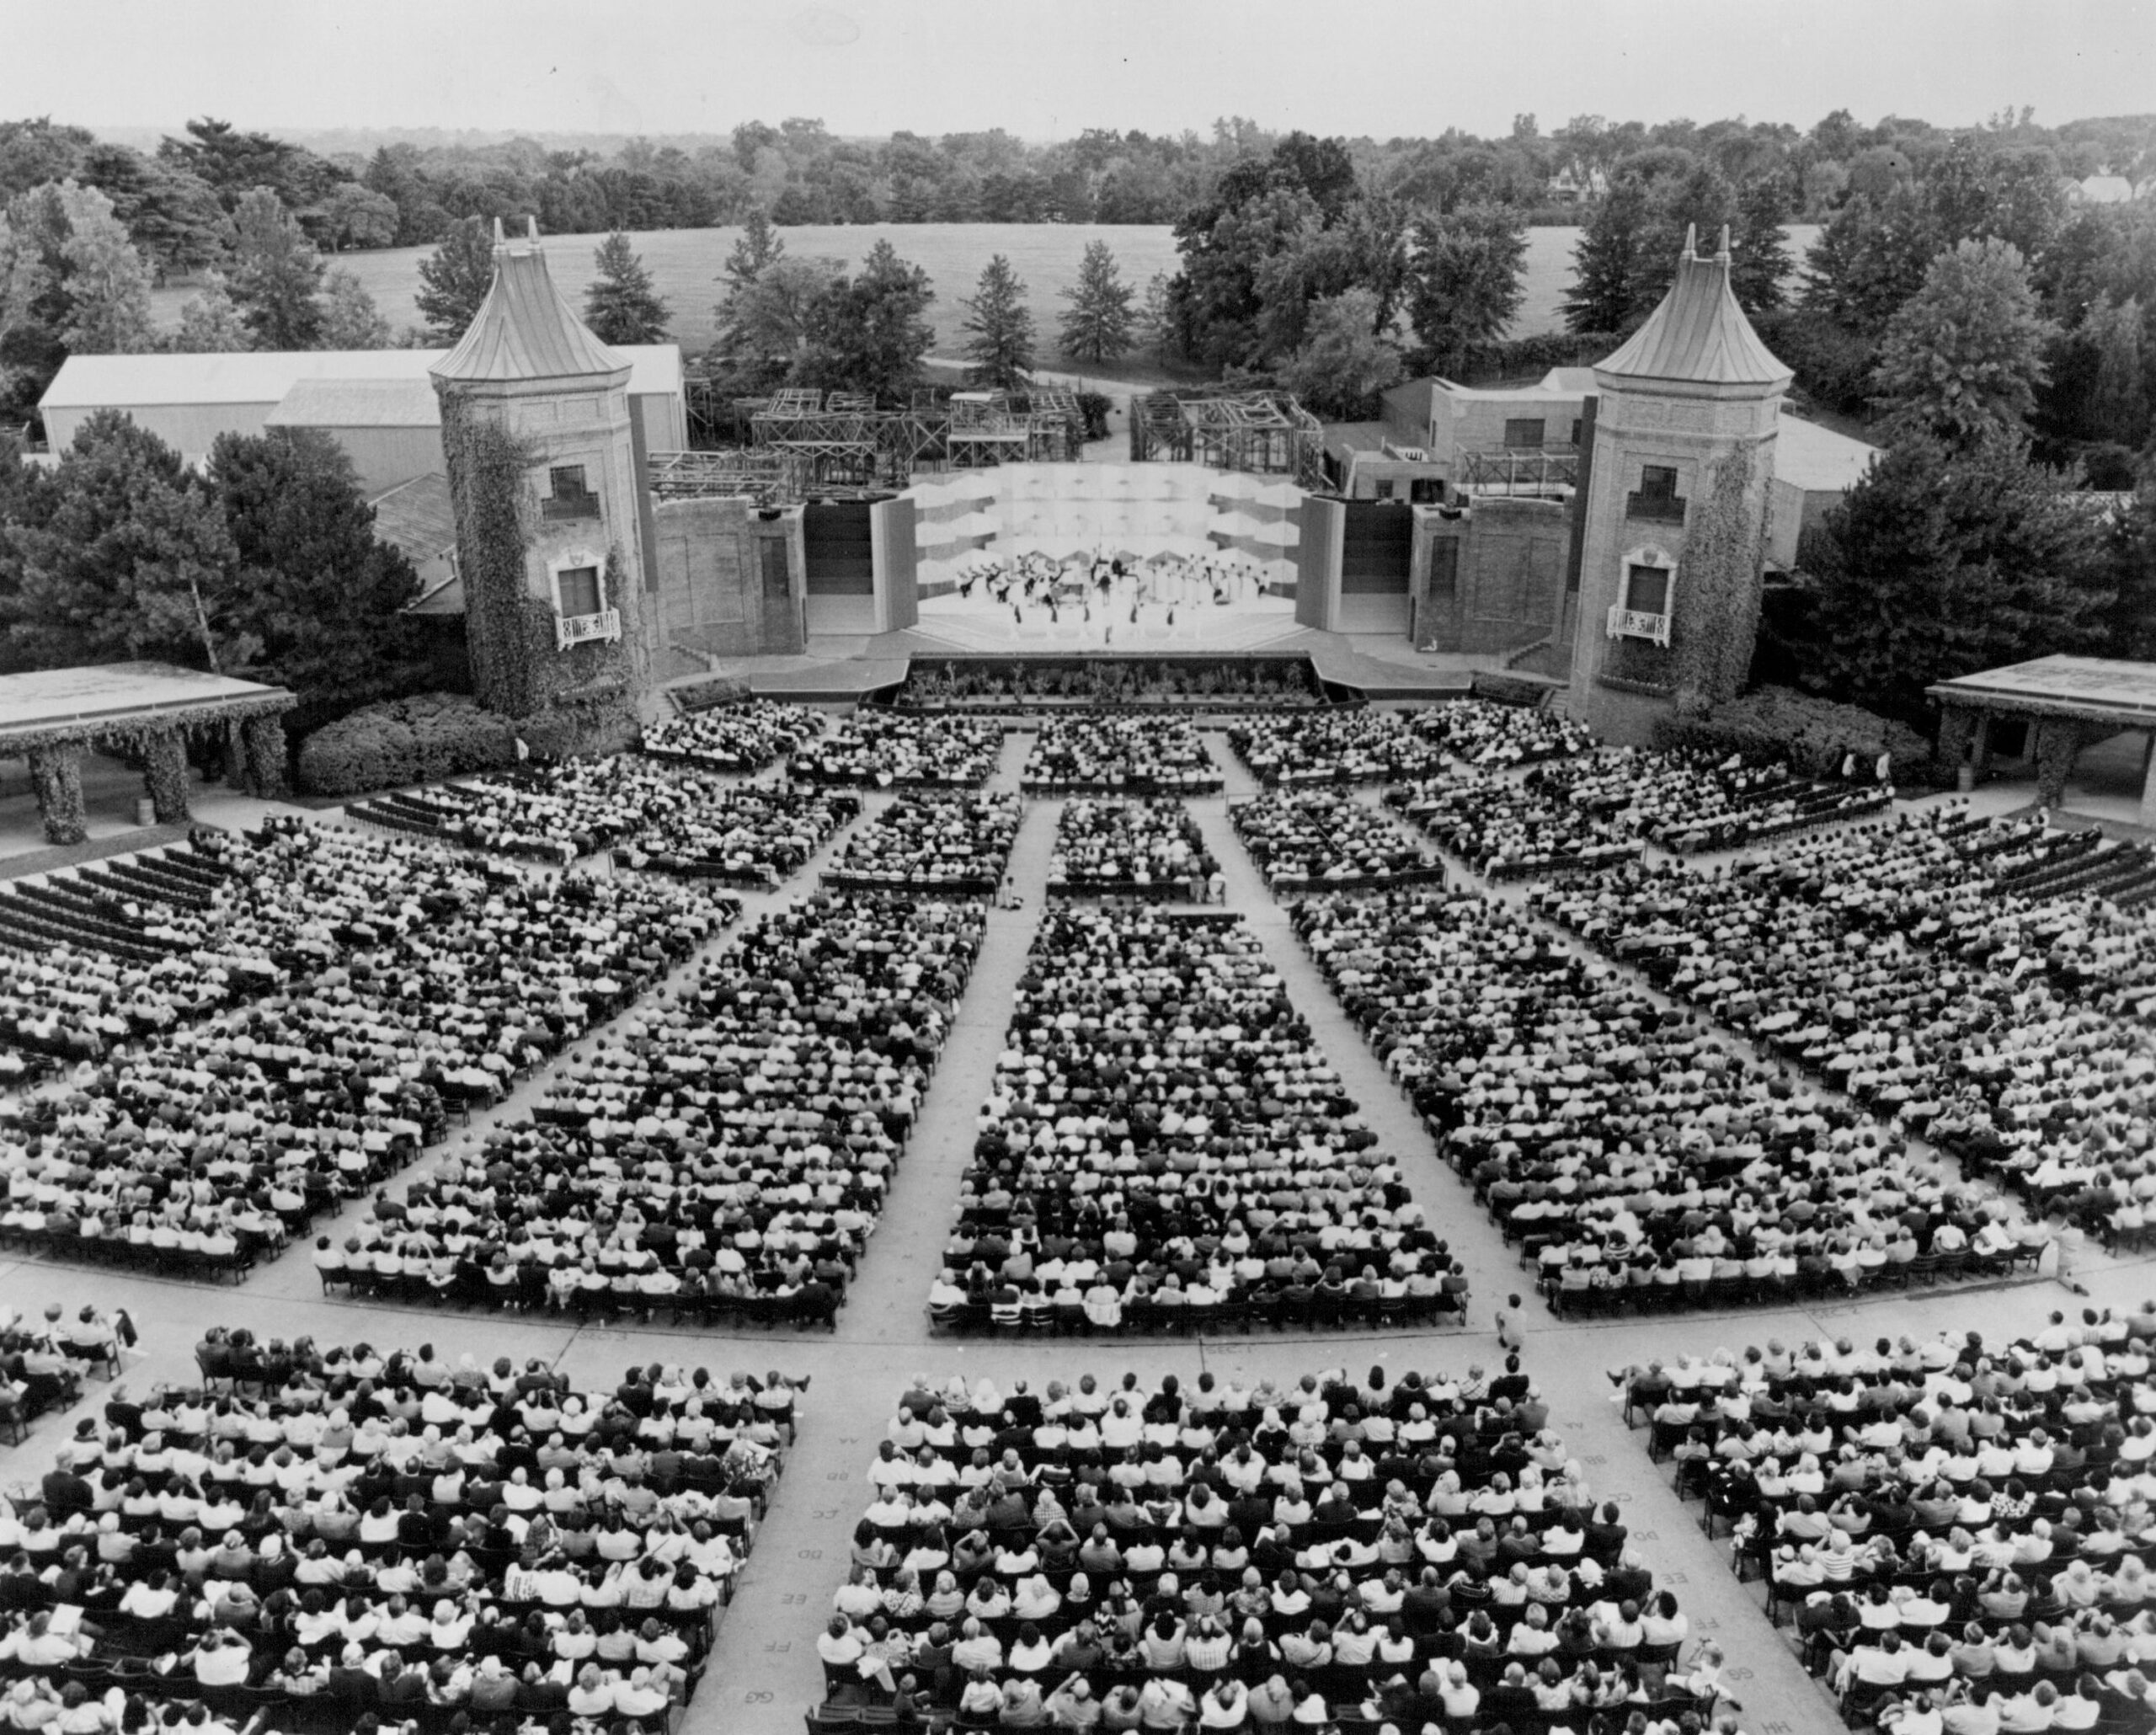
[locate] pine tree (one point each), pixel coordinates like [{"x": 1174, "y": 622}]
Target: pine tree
[
  {"x": 1605, "y": 262},
  {"x": 1759, "y": 260},
  {"x": 128, "y": 556},
  {"x": 276, "y": 274},
  {"x": 758, "y": 247},
  {"x": 210, "y": 322},
  {"x": 1098, "y": 326},
  {"x": 350, "y": 318},
  {"x": 621, "y": 307},
  {"x": 1156, "y": 321},
  {"x": 999, "y": 328},
  {"x": 315, "y": 589},
  {"x": 454, "y": 279}
]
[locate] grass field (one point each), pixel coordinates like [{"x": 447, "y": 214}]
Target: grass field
[{"x": 685, "y": 263}]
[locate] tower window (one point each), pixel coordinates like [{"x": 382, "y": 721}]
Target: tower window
[
  {"x": 569, "y": 496},
  {"x": 1646, "y": 589},
  {"x": 1643, "y": 610},
  {"x": 1524, "y": 434},
  {"x": 577, "y": 592},
  {"x": 1657, "y": 498}
]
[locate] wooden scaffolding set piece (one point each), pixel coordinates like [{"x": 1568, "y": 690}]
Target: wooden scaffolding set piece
[
  {"x": 1265, "y": 432},
  {"x": 843, "y": 442}
]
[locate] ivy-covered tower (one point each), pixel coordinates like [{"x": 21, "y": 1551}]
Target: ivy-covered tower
[
  {"x": 1675, "y": 517},
  {"x": 542, "y": 475}
]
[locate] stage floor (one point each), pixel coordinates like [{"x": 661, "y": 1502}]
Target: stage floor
[{"x": 977, "y": 623}]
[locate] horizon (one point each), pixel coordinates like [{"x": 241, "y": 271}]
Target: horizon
[{"x": 1045, "y": 70}]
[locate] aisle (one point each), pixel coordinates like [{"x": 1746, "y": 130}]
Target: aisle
[{"x": 1568, "y": 1363}]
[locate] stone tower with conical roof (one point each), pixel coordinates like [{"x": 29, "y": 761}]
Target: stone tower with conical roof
[
  {"x": 542, "y": 475},
  {"x": 1675, "y": 516}
]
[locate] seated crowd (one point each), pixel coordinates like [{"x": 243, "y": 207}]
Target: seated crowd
[
  {"x": 1140, "y": 848},
  {"x": 1319, "y": 837},
  {"x": 1485, "y": 733},
  {"x": 1417, "y": 1553},
  {"x": 744, "y": 737},
  {"x": 1357, "y": 746},
  {"x": 1200, "y": 683},
  {"x": 720, "y": 1154},
  {"x": 210, "y": 1146},
  {"x": 1164, "y": 1147},
  {"x": 44, "y": 1362},
  {"x": 652, "y": 814},
  {"x": 1507, "y": 827},
  {"x": 888, "y": 748},
  {"x": 1958, "y": 1530},
  {"x": 1635, "y": 1157},
  {"x": 1113, "y": 753},
  {"x": 137, "y": 946},
  {"x": 1689, "y": 801},
  {"x": 947, "y": 841},
  {"x": 1371, "y": 746},
  {"x": 342, "y": 1535},
  {"x": 1976, "y": 1050}
]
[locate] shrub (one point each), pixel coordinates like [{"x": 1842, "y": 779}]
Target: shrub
[
  {"x": 419, "y": 739},
  {"x": 1813, "y": 734},
  {"x": 1095, "y": 406}
]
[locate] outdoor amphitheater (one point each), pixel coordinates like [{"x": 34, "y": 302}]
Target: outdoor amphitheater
[{"x": 1145, "y": 1193}]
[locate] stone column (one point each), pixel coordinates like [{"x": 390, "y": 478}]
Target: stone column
[
  {"x": 56, "y": 775},
  {"x": 164, "y": 774},
  {"x": 2058, "y": 739},
  {"x": 265, "y": 758}
]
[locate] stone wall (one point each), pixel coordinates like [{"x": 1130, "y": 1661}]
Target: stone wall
[{"x": 715, "y": 592}]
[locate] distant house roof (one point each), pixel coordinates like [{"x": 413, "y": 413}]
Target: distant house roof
[
  {"x": 1817, "y": 459},
  {"x": 357, "y": 403},
  {"x": 87, "y": 382},
  {"x": 1699, "y": 335},
  {"x": 526, "y": 328}
]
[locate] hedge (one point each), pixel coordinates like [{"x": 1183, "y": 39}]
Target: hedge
[
  {"x": 420, "y": 739},
  {"x": 1813, "y": 734}
]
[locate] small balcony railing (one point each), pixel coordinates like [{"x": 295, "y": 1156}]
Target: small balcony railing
[
  {"x": 583, "y": 629},
  {"x": 1638, "y": 623},
  {"x": 1656, "y": 508},
  {"x": 556, "y": 508}
]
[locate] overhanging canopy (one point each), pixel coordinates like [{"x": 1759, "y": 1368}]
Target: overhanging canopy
[
  {"x": 45, "y": 707},
  {"x": 2094, "y": 689}
]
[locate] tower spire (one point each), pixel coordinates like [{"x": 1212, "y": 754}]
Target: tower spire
[
  {"x": 1721, "y": 255},
  {"x": 1691, "y": 241}
]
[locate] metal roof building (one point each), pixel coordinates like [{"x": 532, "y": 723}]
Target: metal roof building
[{"x": 188, "y": 400}]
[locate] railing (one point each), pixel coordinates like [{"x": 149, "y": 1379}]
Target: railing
[
  {"x": 1638, "y": 623},
  {"x": 1656, "y": 508},
  {"x": 583, "y": 629},
  {"x": 562, "y": 506},
  {"x": 1521, "y": 469}
]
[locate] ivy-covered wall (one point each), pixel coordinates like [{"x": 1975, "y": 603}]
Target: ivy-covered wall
[
  {"x": 504, "y": 624},
  {"x": 1718, "y": 584}
]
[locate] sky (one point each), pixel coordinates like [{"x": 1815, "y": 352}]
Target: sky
[{"x": 1047, "y": 69}]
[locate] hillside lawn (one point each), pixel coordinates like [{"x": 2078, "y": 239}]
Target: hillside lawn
[{"x": 686, "y": 264}]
